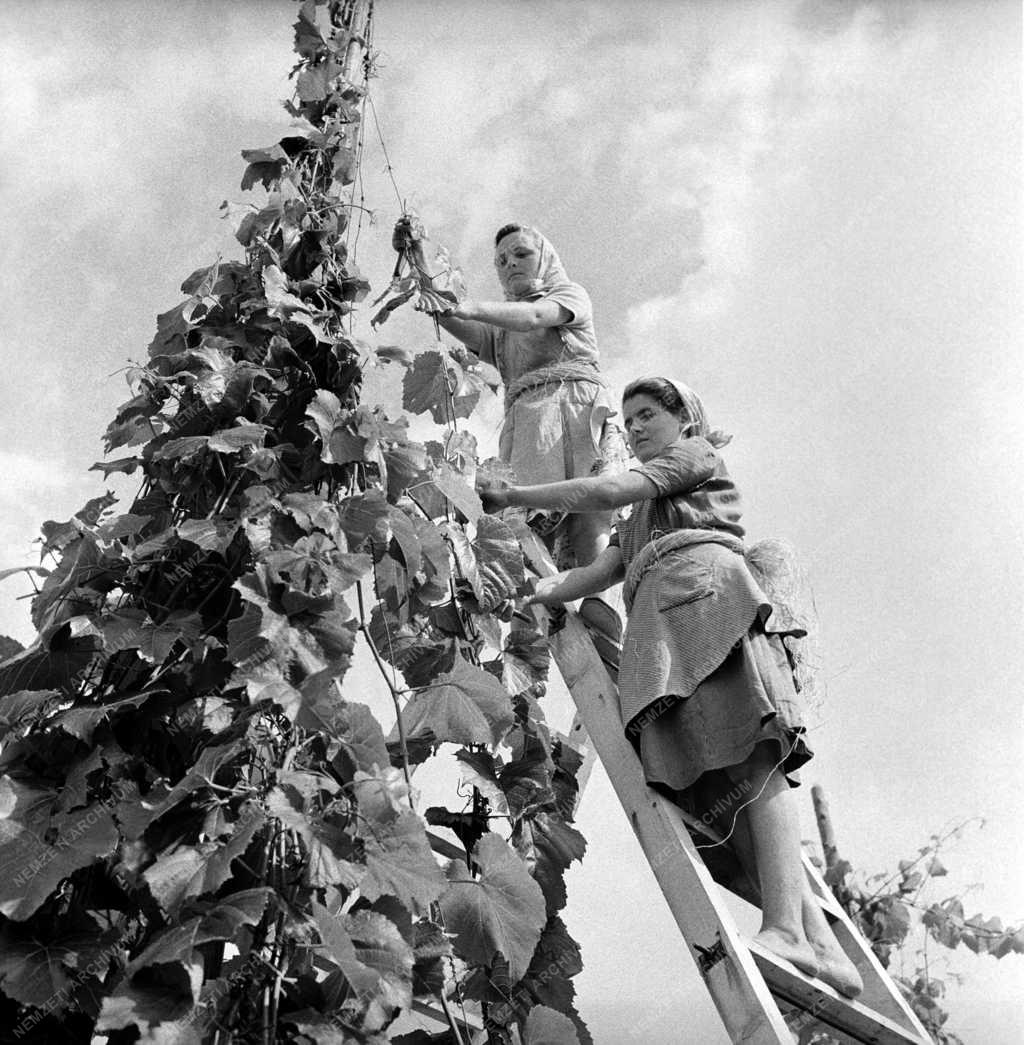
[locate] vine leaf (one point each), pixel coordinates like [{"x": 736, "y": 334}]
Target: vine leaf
[
  {"x": 17, "y": 709},
  {"x": 501, "y": 912},
  {"x": 32, "y": 972},
  {"x": 480, "y": 771},
  {"x": 338, "y": 947},
  {"x": 358, "y": 738},
  {"x": 432, "y": 583},
  {"x": 549, "y": 845},
  {"x": 526, "y": 660},
  {"x": 463, "y": 706},
  {"x": 135, "y": 816},
  {"x": 365, "y": 517},
  {"x": 382, "y": 795},
  {"x": 326, "y": 845},
  {"x": 54, "y": 667},
  {"x": 81, "y": 561},
  {"x": 404, "y": 462},
  {"x": 192, "y": 870},
  {"x": 431, "y": 946},
  {"x": 222, "y": 922},
  {"x": 461, "y": 496},
  {"x": 380, "y": 946},
  {"x": 324, "y": 411},
  {"x": 428, "y": 384},
  {"x": 126, "y": 525},
  {"x": 499, "y": 562},
  {"x": 400, "y": 863},
  {"x": 209, "y": 534},
  {"x": 40, "y": 849},
  {"x": 265, "y": 166},
  {"x": 241, "y": 437},
  {"x": 545, "y": 1026},
  {"x": 548, "y": 982}
]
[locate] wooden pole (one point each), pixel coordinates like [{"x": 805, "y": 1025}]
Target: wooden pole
[
  {"x": 355, "y": 17},
  {"x": 827, "y": 835}
]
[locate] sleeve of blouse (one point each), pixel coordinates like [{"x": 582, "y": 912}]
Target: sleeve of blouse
[
  {"x": 487, "y": 345},
  {"x": 681, "y": 467},
  {"x": 574, "y": 299}
]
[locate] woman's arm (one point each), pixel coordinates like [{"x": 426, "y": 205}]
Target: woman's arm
[
  {"x": 408, "y": 237},
  {"x": 468, "y": 331},
  {"x": 598, "y": 493},
  {"x": 510, "y": 315},
  {"x": 600, "y": 575}
]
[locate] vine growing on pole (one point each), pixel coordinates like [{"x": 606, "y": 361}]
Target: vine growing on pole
[{"x": 206, "y": 835}]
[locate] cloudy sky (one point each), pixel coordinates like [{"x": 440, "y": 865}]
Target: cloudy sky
[{"x": 811, "y": 212}]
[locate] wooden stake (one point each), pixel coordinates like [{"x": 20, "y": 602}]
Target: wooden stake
[{"x": 828, "y": 838}]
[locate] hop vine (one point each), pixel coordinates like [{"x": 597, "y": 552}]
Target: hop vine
[{"x": 207, "y": 836}]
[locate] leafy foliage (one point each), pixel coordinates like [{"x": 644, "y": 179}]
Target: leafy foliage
[
  {"x": 893, "y": 909},
  {"x": 201, "y": 828}
]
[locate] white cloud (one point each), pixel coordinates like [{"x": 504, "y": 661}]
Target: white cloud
[{"x": 758, "y": 95}]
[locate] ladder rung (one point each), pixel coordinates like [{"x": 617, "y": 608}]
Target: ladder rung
[
  {"x": 468, "y": 1020},
  {"x": 823, "y": 1003}
]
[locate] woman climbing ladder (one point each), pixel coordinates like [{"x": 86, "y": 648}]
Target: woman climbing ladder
[{"x": 706, "y": 693}]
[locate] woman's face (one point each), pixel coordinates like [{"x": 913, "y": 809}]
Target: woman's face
[
  {"x": 517, "y": 259},
  {"x": 649, "y": 426}
]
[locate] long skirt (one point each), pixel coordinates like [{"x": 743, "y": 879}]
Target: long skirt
[
  {"x": 750, "y": 699},
  {"x": 561, "y": 431}
]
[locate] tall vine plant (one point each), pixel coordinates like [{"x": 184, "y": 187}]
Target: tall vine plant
[{"x": 206, "y": 835}]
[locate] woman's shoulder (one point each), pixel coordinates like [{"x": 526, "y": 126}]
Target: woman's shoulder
[
  {"x": 688, "y": 450},
  {"x": 573, "y": 297}
]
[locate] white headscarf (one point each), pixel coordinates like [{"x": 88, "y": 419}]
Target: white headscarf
[
  {"x": 696, "y": 420},
  {"x": 550, "y": 271}
]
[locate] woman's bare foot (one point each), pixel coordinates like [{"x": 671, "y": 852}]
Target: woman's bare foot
[
  {"x": 794, "y": 950},
  {"x": 837, "y": 970}
]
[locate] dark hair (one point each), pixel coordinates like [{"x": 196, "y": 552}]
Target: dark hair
[
  {"x": 506, "y": 230},
  {"x": 681, "y": 402},
  {"x": 662, "y": 391}
]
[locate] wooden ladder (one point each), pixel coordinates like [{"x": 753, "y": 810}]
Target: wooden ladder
[{"x": 762, "y": 999}]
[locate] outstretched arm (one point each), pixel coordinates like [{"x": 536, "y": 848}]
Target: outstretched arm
[
  {"x": 468, "y": 331},
  {"x": 600, "y": 575},
  {"x": 511, "y": 315},
  {"x": 597, "y": 493},
  {"x": 468, "y": 320}
]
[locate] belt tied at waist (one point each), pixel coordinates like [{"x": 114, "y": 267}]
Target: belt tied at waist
[
  {"x": 554, "y": 374},
  {"x": 651, "y": 554}
]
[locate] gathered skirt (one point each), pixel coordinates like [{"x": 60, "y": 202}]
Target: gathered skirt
[
  {"x": 749, "y": 699},
  {"x": 562, "y": 431}
]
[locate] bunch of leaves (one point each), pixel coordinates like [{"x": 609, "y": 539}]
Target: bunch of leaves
[
  {"x": 429, "y": 286},
  {"x": 205, "y": 833},
  {"x": 894, "y": 910}
]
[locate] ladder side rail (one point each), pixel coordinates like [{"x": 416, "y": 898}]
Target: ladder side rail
[
  {"x": 738, "y": 990},
  {"x": 733, "y": 973},
  {"x": 891, "y": 1003}
]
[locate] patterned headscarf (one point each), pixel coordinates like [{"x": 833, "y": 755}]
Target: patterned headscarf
[{"x": 550, "y": 271}]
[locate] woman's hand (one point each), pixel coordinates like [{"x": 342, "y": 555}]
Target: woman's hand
[
  {"x": 494, "y": 493},
  {"x": 545, "y": 591},
  {"x": 449, "y": 306}
]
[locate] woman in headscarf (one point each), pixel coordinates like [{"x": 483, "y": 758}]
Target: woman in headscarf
[
  {"x": 557, "y": 406},
  {"x": 705, "y": 687}
]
